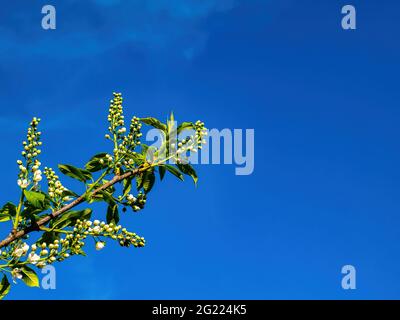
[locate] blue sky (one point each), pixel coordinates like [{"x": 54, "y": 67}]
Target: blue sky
[{"x": 324, "y": 106}]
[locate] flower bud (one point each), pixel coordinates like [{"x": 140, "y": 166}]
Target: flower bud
[{"x": 99, "y": 245}]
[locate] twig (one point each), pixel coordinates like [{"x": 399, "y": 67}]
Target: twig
[{"x": 36, "y": 227}]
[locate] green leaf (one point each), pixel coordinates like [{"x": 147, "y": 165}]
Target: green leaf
[
  {"x": 4, "y": 287},
  {"x": 174, "y": 171},
  {"x": 154, "y": 123},
  {"x": 171, "y": 117},
  {"x": 35, "y": 199},
  {"x": 95, "y": 164},
  {"x": 188, "y": 170},
  {"x": 148, "y": 180},
  {"x": 49, "y": 237},
  {"x": 36, "y": 202},
  {"x": 161, "y": 171},
  {"x": 76, "y": 173},
  {"x": 9, "y": 210},
  {"x": 137, "y": 158},
  {"x": 143, "y": 150},
  {"x": 171, "y": 123},
  {"x": 69, "y": 218},
  {"x": 4, "y": 217},
  {"x": 185, "y": 126},
  {"x": 29, "y": 277},
  {"x": 139, "y": 181},
  {"x": 69, "y": 193},
  {"x": 112, "y": 213},
  {"x": 106, "y": 196},
  {"x": 127, "y": 183}
]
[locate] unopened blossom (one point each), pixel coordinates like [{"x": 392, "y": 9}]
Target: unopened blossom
[
  {"x": 99, "y": 245},
  {"x": 131, "y": 198},
  {"x": 25, "y": 248},
  {"x": 96, "y": 229}
]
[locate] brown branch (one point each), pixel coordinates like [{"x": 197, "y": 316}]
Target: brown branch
[{"x": 16, "y": 235}]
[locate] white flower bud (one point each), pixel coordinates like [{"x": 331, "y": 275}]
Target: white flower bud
[
  {"x": 99, "y": 245},
  {"x": 25, "y": 248},
  {"x": 96, "y": 229}
]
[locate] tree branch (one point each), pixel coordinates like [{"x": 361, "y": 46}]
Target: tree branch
[{"x": 16, "y": 235}]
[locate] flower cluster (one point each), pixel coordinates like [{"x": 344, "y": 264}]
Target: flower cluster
[
  {"x": 108, "y": 157},
  {"x": 23, "y": 181},
  {"x": 124, "y": 144},
  {"x": 99, "y": 229},
  {"x": 37, "y": 173},
  {"x": 33, "y": 141},
  {"x": 130, "y": 142},
  {"x": 64, "y": 233},
  {"x": 56, "y": 189},
  {"x": 134, "y": 132},
  {"x": 201, "y": 131},
  {"x": 115, "y": 117},
  {"x": 191, "y": 143},
  {"x": 20, "y": 250},
  {"x": 29, "y": 169},
  {"x": 18, "y": 254},
  {"x": 40, "y": 254},
  {"x": 136, "y": 203}
]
